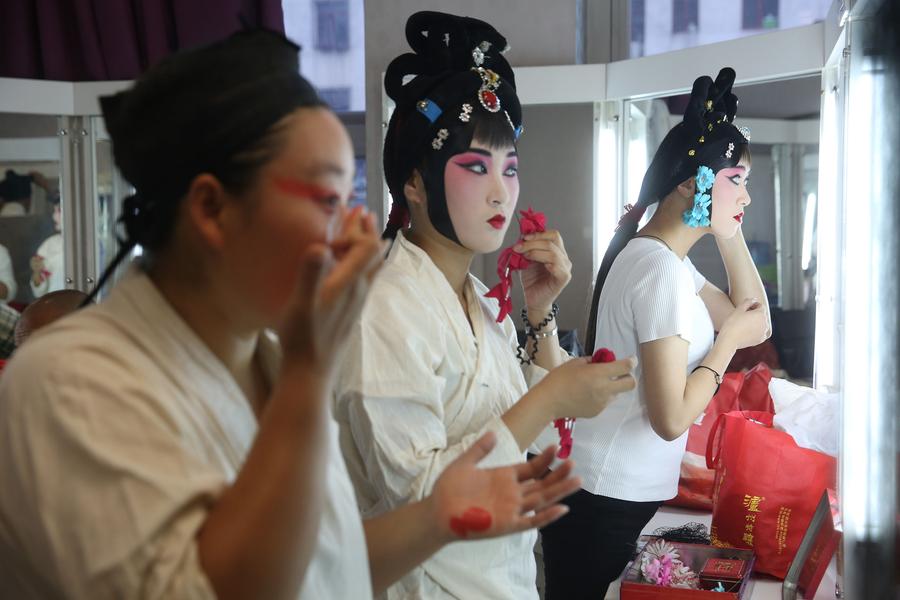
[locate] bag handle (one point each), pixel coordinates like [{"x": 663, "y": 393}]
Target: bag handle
[
  {"x": 759, "y": 417},
  {"x": 713, "y": 436}
]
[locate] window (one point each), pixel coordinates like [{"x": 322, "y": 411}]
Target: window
[
  {"x": 760, "y": 14},
  {"x": 338, "y": 98},
  {"x": 637, "y": 27},
  {"x": 659, "y": 26},
  {"x": 684, "y": 16},
  {"x": 332, "y": 25}
]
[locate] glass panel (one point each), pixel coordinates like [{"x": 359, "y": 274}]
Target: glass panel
[
  {"x": 664, "y": 25},
  {"x": 333, "y": 55},
  {"x": 31, "y": 243},
  {"x": 780, "y": 225},
  {"x": 109, "y": 190}
]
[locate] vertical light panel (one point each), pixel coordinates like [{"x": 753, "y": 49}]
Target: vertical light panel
[
  {"x": 870, "y": 299},
  {"x": 861, "y": 313},
  {"x": 607, "y": 184},
  {"x": 826, "y": 372}
]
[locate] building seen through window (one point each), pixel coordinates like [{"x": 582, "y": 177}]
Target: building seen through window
[{"x": 664, "y": 25}]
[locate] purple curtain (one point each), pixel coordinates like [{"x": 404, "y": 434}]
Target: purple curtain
[{"x": 96, "y": 40}]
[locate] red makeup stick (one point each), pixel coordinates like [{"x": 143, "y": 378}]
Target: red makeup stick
[{"x": 564, "y": 426}]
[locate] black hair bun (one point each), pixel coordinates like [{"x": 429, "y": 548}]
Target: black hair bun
[
  {"x": 443, "y": 44},
  {"x": 711, "y": 101}
]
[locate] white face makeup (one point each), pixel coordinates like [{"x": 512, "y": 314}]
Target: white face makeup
[
  {"x": 482, "y": 188},
  {"x": 729, "y": 199}
]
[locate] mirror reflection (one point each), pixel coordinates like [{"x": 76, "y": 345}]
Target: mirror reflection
[
  {"x": 31, "y": 242},
  {"x": 779, "y": 227}
]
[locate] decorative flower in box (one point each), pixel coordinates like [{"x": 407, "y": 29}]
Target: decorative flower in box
[{"x": 661, "y": 565}]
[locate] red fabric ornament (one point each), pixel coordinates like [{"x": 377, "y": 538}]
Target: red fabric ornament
[
  {"x": 399, "y": 216},
  {"x": 564, "y": 426},
  {"x": 632, "y": 213},
  {"x": 530, "y": 221}
]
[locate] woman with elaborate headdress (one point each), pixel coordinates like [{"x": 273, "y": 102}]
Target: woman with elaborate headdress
[
  {"x": 649, "y": 300},
  {"x": 430, "y": 366}
]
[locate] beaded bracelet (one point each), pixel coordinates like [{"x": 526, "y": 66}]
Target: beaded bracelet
[{"x": 535, "y": 333}]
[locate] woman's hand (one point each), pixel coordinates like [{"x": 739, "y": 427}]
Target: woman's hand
[
  {"x": 37, "y": 269},
  {"x": 37, "y": 264},
  {"x": 472, "y": 503},
  {"x": 549, "y": 272},
  {"x": 579, "y": 388},
  {"x": 747, "y": 325},
  {"x": 331, "y": 290}
]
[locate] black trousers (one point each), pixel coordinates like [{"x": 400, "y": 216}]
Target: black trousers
[{"x": 588, "y": 548}]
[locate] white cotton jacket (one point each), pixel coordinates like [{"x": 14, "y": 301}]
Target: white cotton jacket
[
  {"x": 417, "y": 387},
  {"x": 118, "y": 431}
]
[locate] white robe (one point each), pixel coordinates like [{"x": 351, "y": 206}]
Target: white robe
[
  {"x": 415, "y": 390},
  {"x": 118, "y": 430},
  {"x": 51, "y": 250},
  {"x": 6, "y": 275}
]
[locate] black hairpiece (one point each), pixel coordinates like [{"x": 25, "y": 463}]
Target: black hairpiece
[
  {"x": 455, "y": 81},
  {"x": 689, "y": 533},
  {"x": 15, "y": 186}
]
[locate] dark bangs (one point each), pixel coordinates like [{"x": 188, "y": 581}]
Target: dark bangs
[{"x": 492, "y": 129}]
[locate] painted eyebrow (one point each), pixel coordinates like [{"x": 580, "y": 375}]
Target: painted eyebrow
[{"x": 489, "y": 154}]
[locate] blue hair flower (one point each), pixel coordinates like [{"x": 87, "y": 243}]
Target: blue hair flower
[
  {"x": 705, "y": 178},
  {"x": 698, "y": 215}
]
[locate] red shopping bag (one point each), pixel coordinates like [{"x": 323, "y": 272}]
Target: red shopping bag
[
  {"x": 766, "y": 488},
  {"x": 739, "y": 391}
]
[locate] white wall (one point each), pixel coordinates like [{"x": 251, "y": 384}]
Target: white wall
[{"x": 555, "y": 174}]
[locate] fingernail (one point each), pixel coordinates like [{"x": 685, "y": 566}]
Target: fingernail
[{"x": 517, "y": 247}]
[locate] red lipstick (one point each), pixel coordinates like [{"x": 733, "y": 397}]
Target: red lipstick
[
  {"x": 739, "y": 217},
  {"x": 497, "y": 221}
]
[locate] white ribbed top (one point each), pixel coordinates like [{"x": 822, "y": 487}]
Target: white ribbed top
[{"x": 649, "y": 294}]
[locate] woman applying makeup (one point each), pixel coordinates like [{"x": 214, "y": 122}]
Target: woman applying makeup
[
  {"x": 429, "y": 368},
  {"x": 166, "y": 443},
  {"x": 650, "y": 300}
]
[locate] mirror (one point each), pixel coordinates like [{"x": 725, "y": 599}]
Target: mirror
[
  {"x": 31, "y": 243},
  {"x": 780, "y": 224}
]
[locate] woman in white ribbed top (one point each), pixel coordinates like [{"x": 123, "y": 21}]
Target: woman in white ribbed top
[{"x": 649, "y": 300}]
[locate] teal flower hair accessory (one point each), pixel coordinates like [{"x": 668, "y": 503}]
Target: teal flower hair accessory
[
  {"x": 698, "y": 215},
  {"x": 705, "y": 178}
]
